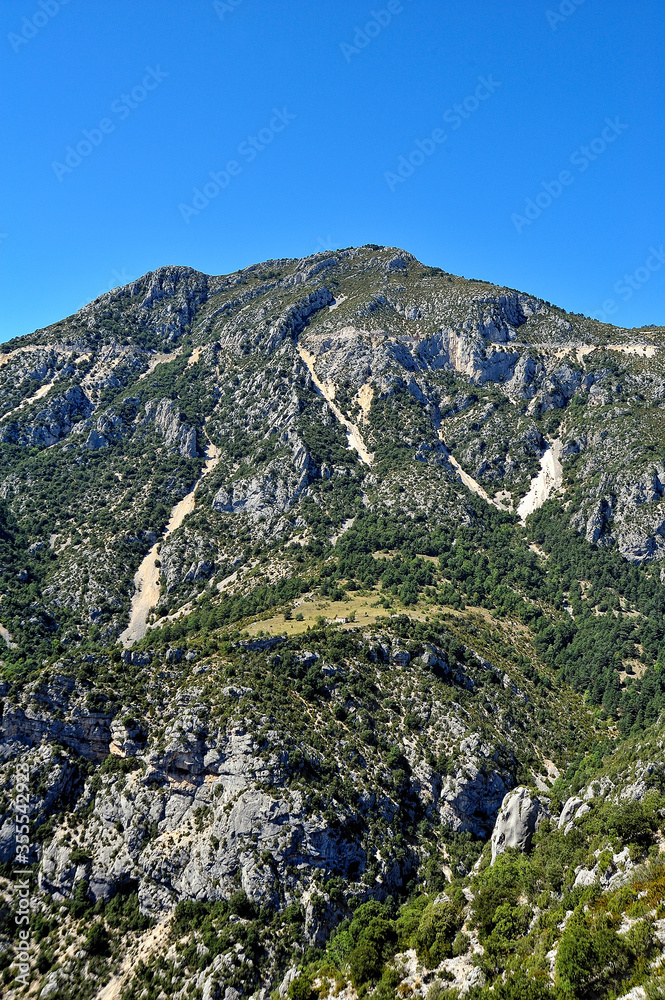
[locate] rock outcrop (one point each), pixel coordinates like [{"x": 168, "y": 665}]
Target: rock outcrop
[
  {"x": 48, "y": 425},
  {"x": 519, "y": 817},
  {"x": 470, "y": 799},
  {"x": 169, "y": 423},
  {"x": 252, "y": 839}
]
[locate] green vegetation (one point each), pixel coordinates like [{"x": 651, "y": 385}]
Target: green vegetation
[{"x": 326, "y": 789}]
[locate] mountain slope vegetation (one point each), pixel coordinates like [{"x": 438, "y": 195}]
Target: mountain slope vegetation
[{"x": 333, "y": 622}]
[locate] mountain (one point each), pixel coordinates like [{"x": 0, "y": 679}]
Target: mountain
[{"x": 333, "y": 619}]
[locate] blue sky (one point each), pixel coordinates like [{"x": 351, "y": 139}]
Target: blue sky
[{"x": 521, "y": 142}]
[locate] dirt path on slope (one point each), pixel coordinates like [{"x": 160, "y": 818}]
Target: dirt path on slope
[
  {"x": 469, "y": 481},
  {"x": 543, "y": 485},
  {"x": 146, "y": 945},
  {"x": 353, "y": 434},
  {"x": 30, "y": 399},
  {"x": 146, "y": 580},
  {"x": 157, "y": 359}
]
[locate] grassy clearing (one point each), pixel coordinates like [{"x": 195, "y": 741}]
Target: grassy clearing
[
  {"x": 363, "y": 609},
  {"x": 367, "y": 610}
]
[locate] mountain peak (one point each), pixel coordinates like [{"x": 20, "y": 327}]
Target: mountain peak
[{"x": 332, "y": 624}]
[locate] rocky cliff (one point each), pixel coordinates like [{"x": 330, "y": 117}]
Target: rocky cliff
[{"x": 329, "y": 589}]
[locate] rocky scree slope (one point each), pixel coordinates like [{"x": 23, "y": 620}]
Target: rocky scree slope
[
  {"x": 105, "y": 418},
  {"x": 303, "y": 776},
  {"x": 251, "y": 771}
]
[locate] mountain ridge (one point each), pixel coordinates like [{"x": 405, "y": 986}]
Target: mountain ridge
[{"x": 291, "y": 658}]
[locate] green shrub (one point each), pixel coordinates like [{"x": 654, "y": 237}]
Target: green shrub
[
  {"x": 634, "y": 822},
  {"x": 390, "y": 980},
  {"x": 589, "y": 953},
  {"x": 80, "y": 902},
  {"x": 409, "y": 919},
  {"x": 365, "y": 963},
  {"x": 300, "y": 988},
  {"x": 242, "y": 906},
  {"x": 375, "y": 942},
  {"x": 510, "y": 924},
  {"x": 641, "y": 942},
  {"x": 519, "y": 986},
  {"x": 79, "y": 857},
  {"x": 119, "y": 765},
  {"x": 96, "y": 940},
  {"x": 460, "y": 944},
  {"x": 437, "y": 929},
  {"x": 503, "y": 883}
]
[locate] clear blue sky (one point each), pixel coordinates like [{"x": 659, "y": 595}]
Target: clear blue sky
[{"x": 182, "y": 87}]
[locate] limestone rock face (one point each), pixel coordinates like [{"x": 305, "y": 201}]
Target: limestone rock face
[
  {"x": 204, "y": 810},
  {"x": 274, "y": 490},
  {"x": 55, "y": 784},
  {"x": 470, "y": 798},
  {"x": 163, "y": 301},
  {"x": 52, "y": 422},
  {"x": 177, "y": 434},
  {"x": 88, "y": 733},
  {"x": 245, "y": 826},
  {"x": 518, "y": 819},
  {"x": 570, "y": 808},
  {"x": 261, "y": 496},
  {"x": 294, "y": 318}
]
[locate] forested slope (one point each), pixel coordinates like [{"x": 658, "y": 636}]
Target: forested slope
[{"x": 375, "y": 704}]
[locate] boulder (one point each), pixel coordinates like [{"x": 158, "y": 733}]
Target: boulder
[
  {"x": 289, "y": 976},
  {"x": 585, "y": 877},
  {"x": 138, "y": 659},
  {"x": 307, "y": 658},
  {"x": 251, "y": 645},
  {"x": 95, "y": 441},
  {"x": 569, "y": 809},
  {"x": 519, "y": 818},
  {"x": 573, "y": 810}
]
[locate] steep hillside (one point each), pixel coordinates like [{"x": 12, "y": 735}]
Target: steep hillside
[{"x": 305, "y": 571}]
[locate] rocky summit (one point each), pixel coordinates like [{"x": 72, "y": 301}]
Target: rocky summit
[{"x": 333, "y": 642}]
